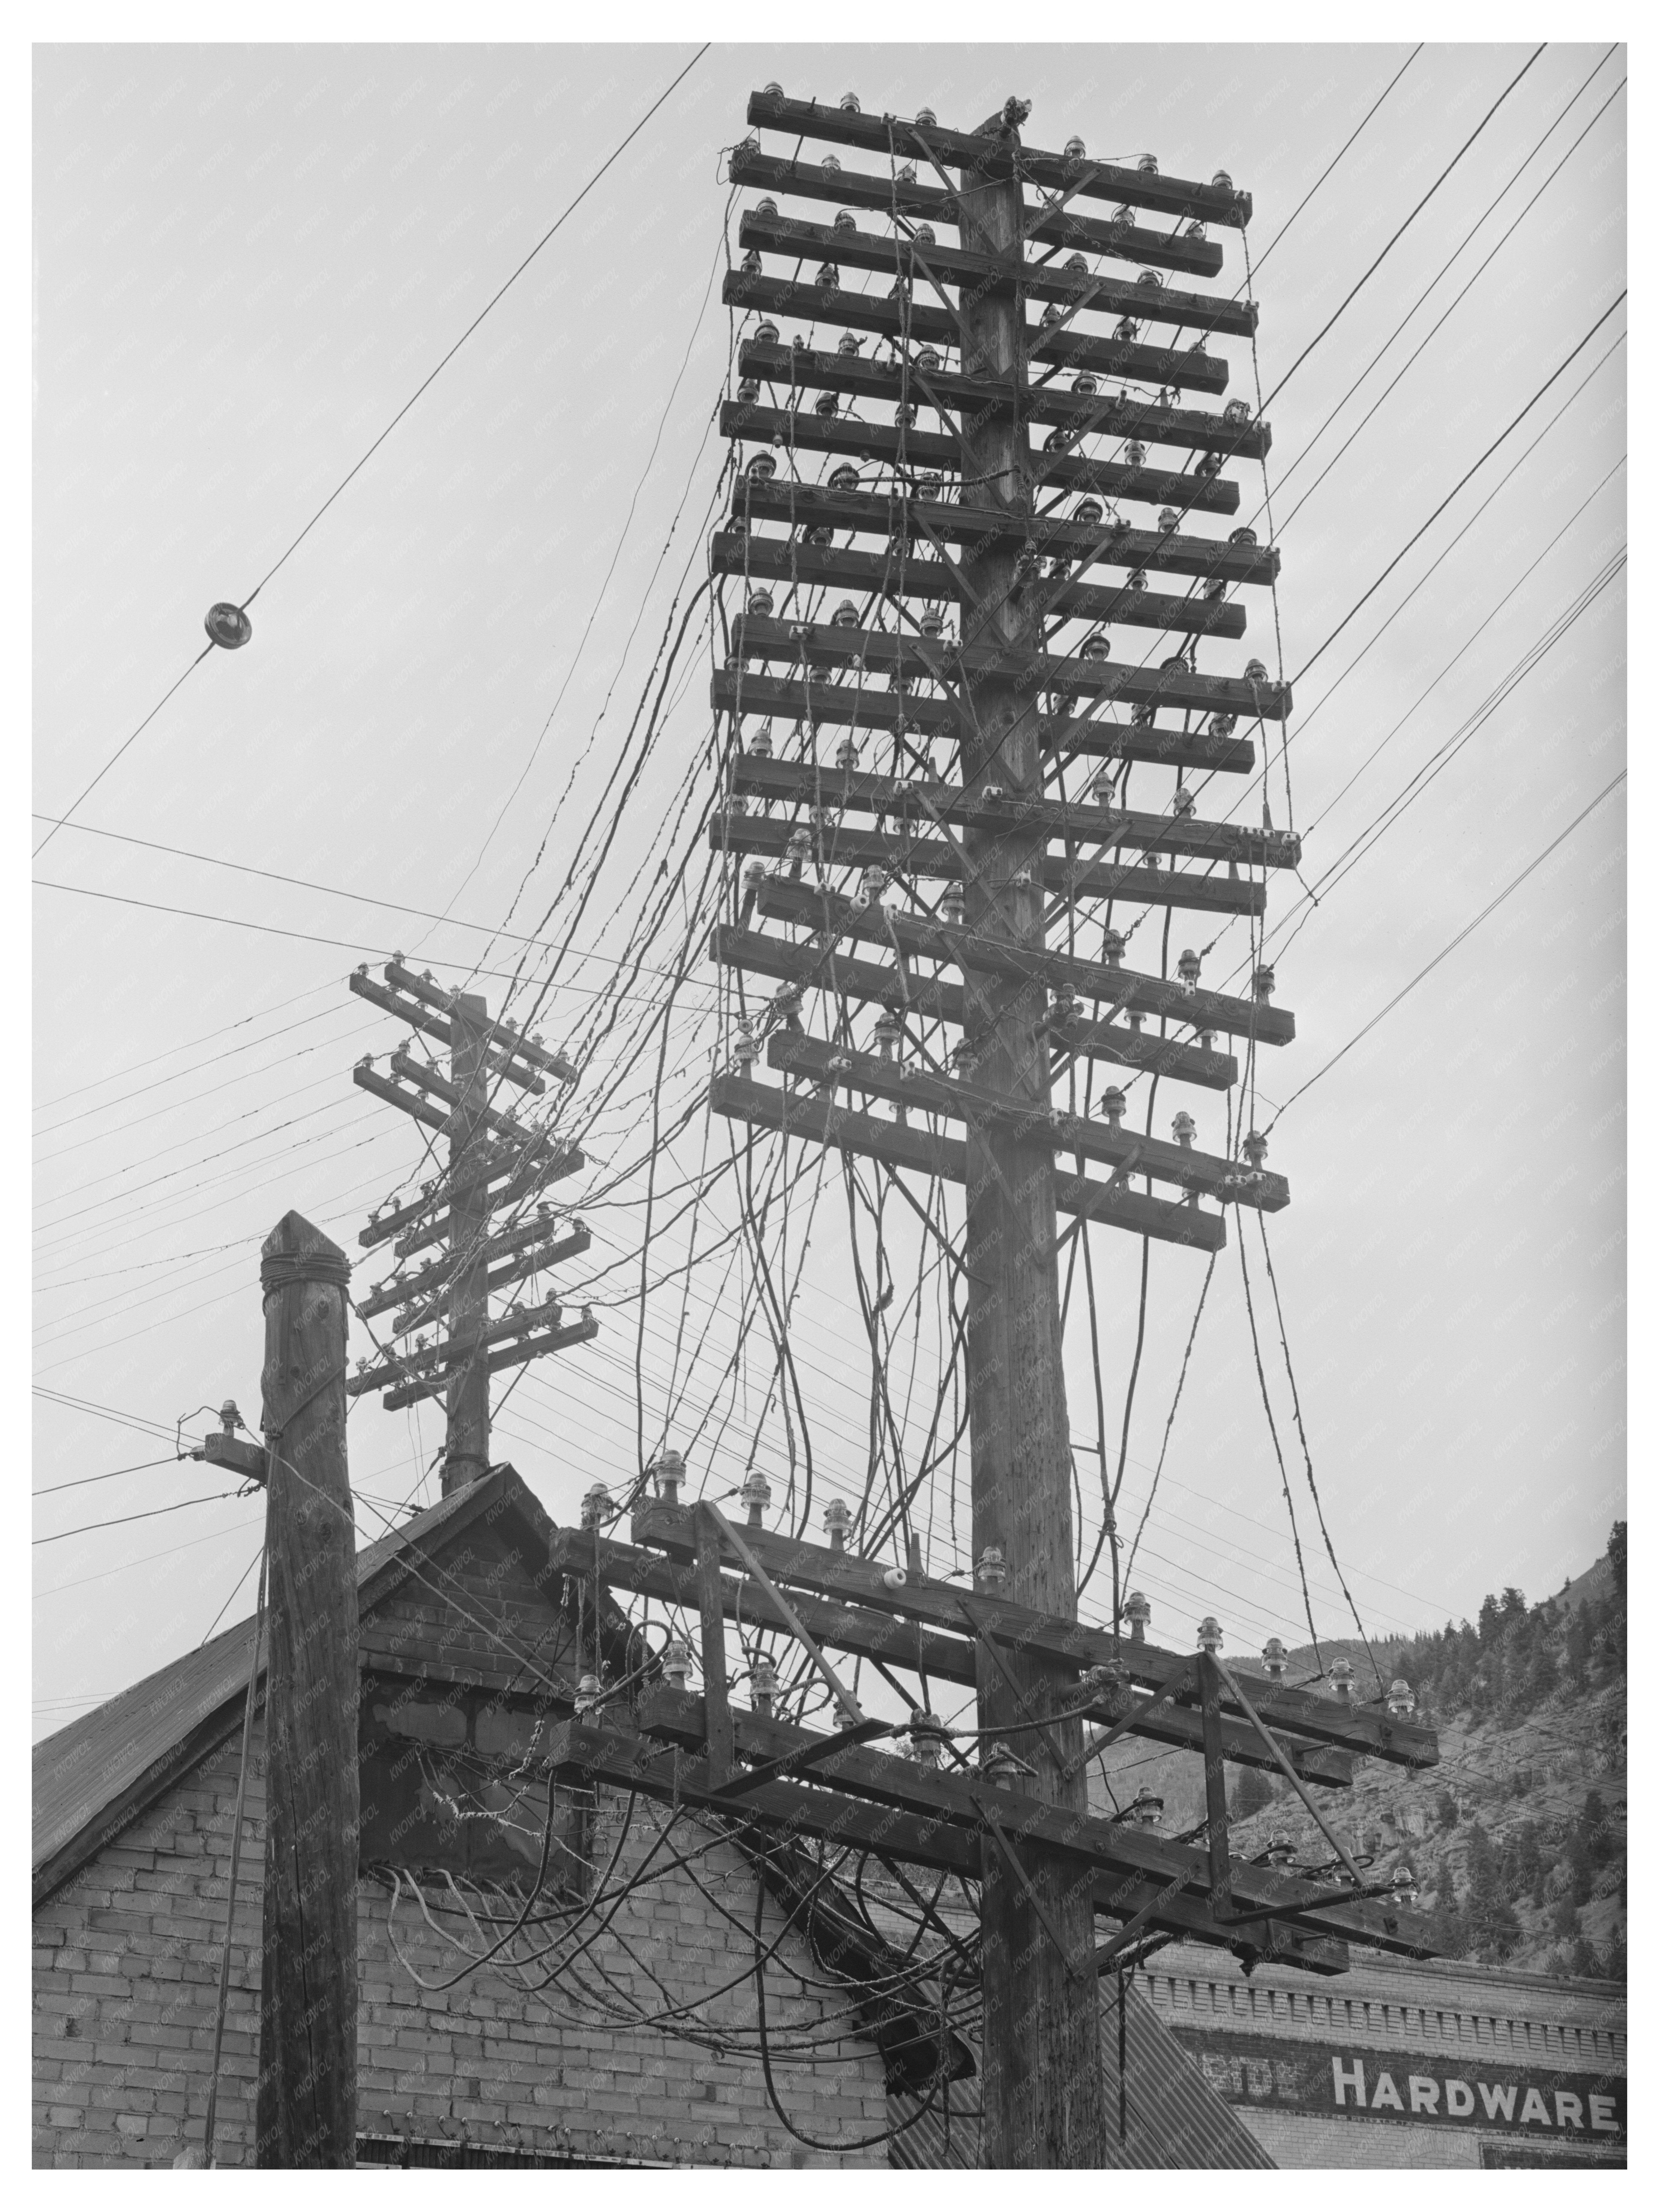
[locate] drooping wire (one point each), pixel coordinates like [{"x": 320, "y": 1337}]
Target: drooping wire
[{"x": 1307, "y": 1452}]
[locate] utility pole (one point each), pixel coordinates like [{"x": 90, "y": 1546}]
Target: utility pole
[
  {"x": 494, "y": 1161},
  {"x": 1044, "y": 2099},
  {"x": 928, "y": 459},
  {"x": 467, "y": 1456},
  {"x": 307, "y": 2087}
]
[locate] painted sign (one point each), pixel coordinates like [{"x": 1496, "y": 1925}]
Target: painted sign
[{"x": 1455, "y": 2090}]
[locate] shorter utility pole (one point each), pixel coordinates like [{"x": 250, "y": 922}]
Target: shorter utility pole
[
  {"x": 495, "y": 1161},
  {"x": 307, "y": 2084}
]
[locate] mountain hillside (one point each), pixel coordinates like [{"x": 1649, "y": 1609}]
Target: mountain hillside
[{"x": 1518, "y": 1837}]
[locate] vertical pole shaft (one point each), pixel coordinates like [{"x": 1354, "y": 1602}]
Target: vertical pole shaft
[
  {"x": 716, "y": 1706},
  {"x": 308, "y": 2086},
  {"x": 1044, "y": 2098},
  {"x": 1215, "y": 1785},
  {"x": 466, "y": 1453}
]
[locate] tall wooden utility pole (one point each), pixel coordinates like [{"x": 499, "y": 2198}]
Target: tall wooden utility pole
[
  {"x": 1044, "y": 2102},
  {"x": 1080, "y": 625},
  {"x": 307, "y": 2087},
  {"x": 466, "y": 1456},
  {"x": 494, "y": 1162}
]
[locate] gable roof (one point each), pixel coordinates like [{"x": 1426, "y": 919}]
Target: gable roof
[
  {"x": 1175, "y": 2118},
  {"x": 94, "y": 1777}
]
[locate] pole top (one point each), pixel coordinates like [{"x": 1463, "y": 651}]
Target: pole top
[{"x": 296, "y": 1251}]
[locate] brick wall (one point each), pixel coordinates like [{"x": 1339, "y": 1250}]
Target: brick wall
[{"x": 125, "y": 1978}]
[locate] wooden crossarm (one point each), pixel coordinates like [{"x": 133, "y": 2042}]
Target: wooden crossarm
[
  {"x": 847, "y": 705},
  {"x": 513, "y": 1355},
  {"x": 889, "y": 1640},
  {"x": 809, "y": 1755},
  {"x": 927, "y": 576},
  {"x": 798, "y": 237},
  {"x": 1185, "y": 369},
  {"x": 1183, "y": 196},
  {"x": 847, "y": 188},
  {"x": 599, "y": 1753},
  {"x": 1117, "y": 1848},
  {"x": 923, "y": 938},
  {"x": 1363, "y": 1729},
  {"x": 881, "y": 984},
  {"x": 924, "y": 1152},
  {"x": 1175, "y": 553},
  {"x": 809, "y": 783},
  {"x": 393, "y": 1094},
  {"x": 880, "y": 443},
  {"x": 1196, "y": 429},
  {"x": 505, "y": 1042},
  {"x": 417, "y": 1017},
  {"x": 438, "y": 1086},
  {"x": 936, "y": 859},
  {"x": 887, "y": 652},
  {"x": 531, "y": 1255},
  {"x": 815, "y": 1060}
]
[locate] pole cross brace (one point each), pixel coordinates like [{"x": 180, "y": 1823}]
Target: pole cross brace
[
  {"x": 1107, "y": 1955},
  {"x": 811, "y": 1754},
  {"x": 1287, "y": 1770},
  {"x": 848, "y": 1703},
  {"x": 1173, "y": 1687}
]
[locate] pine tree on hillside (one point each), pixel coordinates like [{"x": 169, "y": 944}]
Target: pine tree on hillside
[
  {"x": 1451, "y": 1937},
  {"x": 1493, "y": 1929},
  {"x": 1251, "y": 1792},
  {"x": 1543, "y": 1672},
  {"x": 1578, "y": 1650}
]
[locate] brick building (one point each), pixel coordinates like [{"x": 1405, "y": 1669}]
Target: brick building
[
  {"x": 643, "y": 2050},
  {"x": 1399, "y": 2063},
  {"x": 133, "y": 1810}
]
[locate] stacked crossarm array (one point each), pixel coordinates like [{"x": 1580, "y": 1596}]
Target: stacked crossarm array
[
  {"x": 903, "y": 1792},
  {"x": 865, "y": 812},
  {"x": 498, "y": 1165}
]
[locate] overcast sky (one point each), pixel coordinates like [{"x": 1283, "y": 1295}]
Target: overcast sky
[{"x": 246, "y": 260}]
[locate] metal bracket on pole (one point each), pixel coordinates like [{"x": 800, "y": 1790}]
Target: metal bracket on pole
[{"x": 1173, "y": 1688}]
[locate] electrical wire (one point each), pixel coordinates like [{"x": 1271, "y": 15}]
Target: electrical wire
[
  {"x": 122, "y": 1520},
  {"x": 1284, "y": 226},
  {"x": 1325, "y": 329},
  {"x": 1446, "y": 949},
  {"x": 1514, "y": 424}
]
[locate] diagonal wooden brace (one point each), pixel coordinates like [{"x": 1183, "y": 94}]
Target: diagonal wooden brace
[
  {"x": 848, "y": 1703},
  {"x": 1287, "y": 1769},
  {"x": 1171, "y": 1688},
  {"x": 812, "y": 1754}
]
